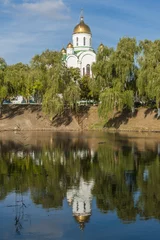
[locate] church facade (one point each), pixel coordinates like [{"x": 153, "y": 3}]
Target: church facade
[{"x": 79, "y": 53}]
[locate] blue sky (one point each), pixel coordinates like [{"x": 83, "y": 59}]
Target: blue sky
[{"x": 28, "y": 27}]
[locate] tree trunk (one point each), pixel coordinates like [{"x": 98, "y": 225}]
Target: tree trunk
[
  {"x": 1, "y": 112},
  {"x": 158, "y": 113}
]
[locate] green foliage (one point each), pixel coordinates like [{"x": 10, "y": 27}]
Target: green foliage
[
  {"x": 85, "y": 88},
  {"x": 3, "y": 86},
  {"x": 148, "y": 81},
  {"x": 71, "y": 95},
  {"x": 110, "y": 100},
  {"x": 3, "y": 92},
  {"x": 120, "y": 76},
  {"x": 116, "y": 73},
  {"x": 58, "y": 83},
  {"x": 3, "y": 64},
  {"x": 102, "y": 69},
  {"x": 52, "y": 103},
  {"x": 15, "y": 78}
]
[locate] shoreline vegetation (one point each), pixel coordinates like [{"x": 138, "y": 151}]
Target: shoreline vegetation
[
  {"x": 122, "y": 82},
  {"x": 31, "y": 118}
]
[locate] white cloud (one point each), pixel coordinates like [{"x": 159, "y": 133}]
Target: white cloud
[
  {"x": 48, "y": 8},
  {"x": 31, "y": 27},
  {"x": 55, "y": 9}
]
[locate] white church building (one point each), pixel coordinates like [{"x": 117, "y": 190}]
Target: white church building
[{"x": 79, "y": 53}]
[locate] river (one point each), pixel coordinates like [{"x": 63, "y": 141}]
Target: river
[{"x": 75, "y": 185}]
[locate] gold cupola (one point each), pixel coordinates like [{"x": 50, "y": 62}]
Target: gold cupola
[
  {"x": 70, "y": 45},
  {"x": 101, "y": 46},
  {"x": 63, "y": 51},
  {"x": 82, "y": 27}
]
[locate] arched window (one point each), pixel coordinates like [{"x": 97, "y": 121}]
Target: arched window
[
  {"x": 83, "y": 71},
  {"x": 90, "y": 42},
  {"x": 84, "y": 41},
  {"x": 88, "y": 69},
  {"x": 77, "y": 41}
]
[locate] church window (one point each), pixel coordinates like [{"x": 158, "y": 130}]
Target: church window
[
  {"x": 84, "y": 207},
  {"x": 84, "y": 41},
  {"x": 88, "y": 69},
  {"x": 77, "y": 41},
  {"x": 83, "y": 71},
  {"x": 90, "y": 42}
]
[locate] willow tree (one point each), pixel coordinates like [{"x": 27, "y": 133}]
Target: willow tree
[
  {"x": 15, "y": 79},
  {"x": 148, "y": 82},
  {"x": 59, "y": 84},
  {"x": 102, "y": 70},
  {"x": 116, "y": 72},
  {"x": 3, "y": 87}
]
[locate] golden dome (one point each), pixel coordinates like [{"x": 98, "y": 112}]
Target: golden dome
[
  {"x": 82, "y": 28},
  {"x": 70, "y": 45},
  {"x": 63, "y": 50},
  {"x": 101, "y": 46}
]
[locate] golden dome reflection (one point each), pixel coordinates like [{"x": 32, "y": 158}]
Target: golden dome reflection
[
  {"x": 82, "y": 28},
  {"x": 82, "y": 219}
]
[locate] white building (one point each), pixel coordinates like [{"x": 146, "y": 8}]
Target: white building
[{"x": 79, "y": 53}]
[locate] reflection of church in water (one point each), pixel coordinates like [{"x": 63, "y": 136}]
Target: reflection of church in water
[{"x": 80, "y": 198}]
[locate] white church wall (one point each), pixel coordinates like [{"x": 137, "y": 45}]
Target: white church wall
[
  {"x": 79, "y": 43},
  {"x": 70, "y": 51},
  {"x": 72, "y": 61},
  {"x": 85, "y": 59}
]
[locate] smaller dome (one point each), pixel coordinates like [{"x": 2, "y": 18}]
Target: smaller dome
[
  {"x": 70, "y": 45},
  {"x": 63, "y": 50},
  {"x": 101, "y": 46}
]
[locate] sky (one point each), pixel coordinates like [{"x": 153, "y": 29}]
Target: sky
[{"x": 29, "y": 27}]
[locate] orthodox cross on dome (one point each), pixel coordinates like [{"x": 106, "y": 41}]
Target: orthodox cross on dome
[{"x": 82, "y": 15}]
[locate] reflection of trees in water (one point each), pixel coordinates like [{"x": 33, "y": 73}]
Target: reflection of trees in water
[
  {"x": 118, "y": 168},
  {"x": 125, "y": 172}
]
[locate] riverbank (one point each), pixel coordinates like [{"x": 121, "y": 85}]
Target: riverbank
[{"x": 31, "y": 118}]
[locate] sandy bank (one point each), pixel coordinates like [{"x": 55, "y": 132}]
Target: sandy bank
[{"x": 31, "y": 118}]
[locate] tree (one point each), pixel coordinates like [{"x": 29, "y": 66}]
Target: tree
[
  {"x": 3, "y": 87},
  {"x": 102, "y": 69},
  {"x": 85, "y": 88},
  {"x": 116, "y": 73},
  {"x": 16, "y": 79},
  {"x": 60, "y": 84},
  {"x": 148, "y": 82}
]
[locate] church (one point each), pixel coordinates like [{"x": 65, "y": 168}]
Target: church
[{"x": 79, "y": 53}]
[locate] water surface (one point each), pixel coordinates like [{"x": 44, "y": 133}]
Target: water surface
[{"x": 79, "y": 186}]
